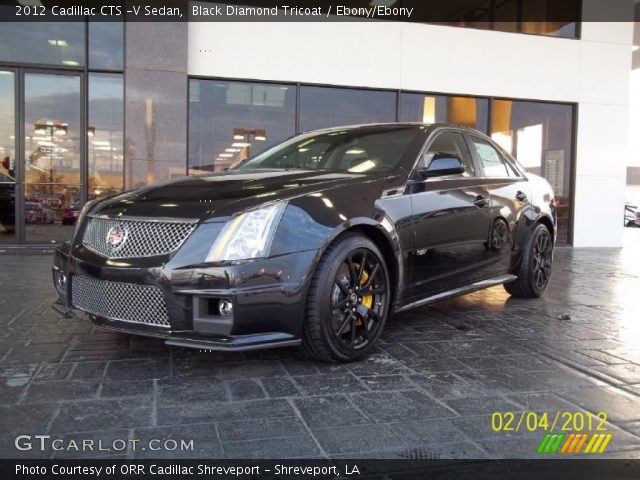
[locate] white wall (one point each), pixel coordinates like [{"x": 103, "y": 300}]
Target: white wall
[{"x": 593, "y": 72}]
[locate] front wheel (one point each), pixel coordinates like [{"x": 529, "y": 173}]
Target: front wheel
[
  {"x": 348, "y": 301},
  {"x": 535, "y": 267}
]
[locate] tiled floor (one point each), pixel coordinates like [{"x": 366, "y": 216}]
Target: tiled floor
[{"x": 428, "y": 392}]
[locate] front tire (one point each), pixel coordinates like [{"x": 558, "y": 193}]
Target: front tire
[
  {"x": 535, "y": 267},
  {"x": 348, "y": 301}
]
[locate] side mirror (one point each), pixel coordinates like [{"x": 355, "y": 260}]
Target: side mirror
[{"x": 443, "y": 164}]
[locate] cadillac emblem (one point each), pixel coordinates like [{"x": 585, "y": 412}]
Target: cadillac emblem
[{"x": 117, "y": 237}]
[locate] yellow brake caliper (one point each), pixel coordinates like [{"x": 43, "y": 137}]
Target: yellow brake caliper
[{"x": 367, "y": 300}]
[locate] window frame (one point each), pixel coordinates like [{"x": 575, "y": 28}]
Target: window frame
[{"x": 509, "y": 167}]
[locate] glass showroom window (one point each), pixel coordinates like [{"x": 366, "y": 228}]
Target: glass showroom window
[
  {"x": 322, "y": 107},
  {"x": 7, "y": 157},
  {"x": 105, "y": 134},
  {"x": 106, "y": 41},
  {"x": 49, "y": 43},
  {"x": 539, "y": 135},
  {"x": 469, "y": 111},
  {"x": 231, "y": 121}
]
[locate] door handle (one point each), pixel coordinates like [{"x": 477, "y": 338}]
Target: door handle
[
  {"x": 521, "y": 196},
  {"x": 481, "y": 201}
]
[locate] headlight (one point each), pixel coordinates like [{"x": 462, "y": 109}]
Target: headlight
[{"x": 247, "y": 235}]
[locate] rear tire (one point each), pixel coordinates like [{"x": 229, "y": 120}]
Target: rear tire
[
  {"x": 348, "y": 301},
  {"x": 535, "y": 267}
]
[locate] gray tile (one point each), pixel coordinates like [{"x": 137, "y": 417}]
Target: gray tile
[
  {"x": 387, "y": 382},
  {"x": 103, "y": 414},
  {"x": 26, "y": 418},
  {"x": 626, "y": 373},
  {"x": 481, "y": 405},
  {"x": 329, "y": 411},
  {"x": 359, "y": 438},
  {"x": 131, "y": 388},
  {"x": 429, "y": 432},
  {"x": 43, "y": 392},
  {"x": 327, "y": 384},
  {"x": 209, "y": 411},
  {"x": 245, "y": 430},
  {"x": 144, "y": 369},
  {"x": 54, "y": 371},
  {"x": 292, "y": 447},
  {"x": 280, "y": 387},
  {"x": 395, "y": 406},
  {"x": 245, "y": 390},
  {"x": 188, "y": 390}
]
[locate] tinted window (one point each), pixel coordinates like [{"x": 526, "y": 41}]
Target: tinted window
[
  {"x": 105, "y": 135},
  {"x": 106, "y": 45},
  {"x": 492, "y": 162},
  {"x": 232, "y": 121},
  {"x": 468, "y": 111},
  {"x": 539, "y": 135},
  {"x": 355, "y": 151},
  {"x": 322, "y": 107},
  {"x": 449, "y": 143},
  {"x": 54, "y": 43}
]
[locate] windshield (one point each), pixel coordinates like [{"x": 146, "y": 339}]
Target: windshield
[{"x": 358, "y": 150}]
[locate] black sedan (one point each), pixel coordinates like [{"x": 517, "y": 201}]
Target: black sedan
[{"x": 316, "y": 241}]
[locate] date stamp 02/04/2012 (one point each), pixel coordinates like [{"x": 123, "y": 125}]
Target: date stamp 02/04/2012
[{"x": 564, "y": 432}]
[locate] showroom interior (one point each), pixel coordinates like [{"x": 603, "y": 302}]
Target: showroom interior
[{"x": 89, "y": 109}]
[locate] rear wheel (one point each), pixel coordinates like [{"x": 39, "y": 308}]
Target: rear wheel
[
  {"x": 348, "y": 301},
  {"x": 535, "y": 267}
]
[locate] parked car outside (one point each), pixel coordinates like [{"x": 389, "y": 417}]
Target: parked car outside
[
  {"x": 38, "y": 213},
  {"x": 70, "y": 215}
]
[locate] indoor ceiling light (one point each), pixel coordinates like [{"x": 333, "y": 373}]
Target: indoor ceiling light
[
  {"x": 225, "y": 155},
  {"x": 59, "y": 43},
  {"x": 240, "y": 144},
  {"x": 70, "y": 62}
]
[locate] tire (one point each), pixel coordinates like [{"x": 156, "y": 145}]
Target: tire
[
  {"x": 343, "y": 323},
  {"x": 535, "y": 267}
]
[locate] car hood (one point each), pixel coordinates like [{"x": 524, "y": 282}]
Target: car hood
[{"x": 217, "y": 196}]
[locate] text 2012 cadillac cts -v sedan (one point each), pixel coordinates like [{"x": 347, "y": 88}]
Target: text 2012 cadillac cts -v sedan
[{"x": 316, "y": 241}]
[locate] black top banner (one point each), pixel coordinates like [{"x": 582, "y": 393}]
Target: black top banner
[
  {"x": 319, "y": 469},
  {"x": 475, "y": 12}
]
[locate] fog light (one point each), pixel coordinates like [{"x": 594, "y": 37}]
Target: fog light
[{"x": 225, "y": 307}]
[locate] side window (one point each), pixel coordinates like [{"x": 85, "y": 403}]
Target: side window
[
  {"x": 492, "y": 162},
  {"x": 450, "y": 143}
]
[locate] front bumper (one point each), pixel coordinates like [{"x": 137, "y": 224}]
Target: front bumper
[{"x": 268, "y": 298}]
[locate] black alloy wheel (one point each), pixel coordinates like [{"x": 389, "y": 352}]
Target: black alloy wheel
[
  {"x": 348, "y": 301},
  {"x": 535, "y": 268},
  {"x": 542, "y": 252},
  {"x": 500, "y": 235}
]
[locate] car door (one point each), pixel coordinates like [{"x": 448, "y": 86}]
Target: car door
[
  {"x": 450, "y": 219},
  {"x": 509, "y": 191}
]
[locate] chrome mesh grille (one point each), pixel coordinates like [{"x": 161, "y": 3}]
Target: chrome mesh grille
[
  {"x": 143, "y": 238},
  {"x": 127, "y": 302}
]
